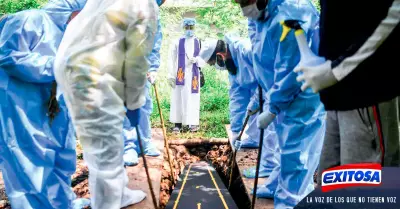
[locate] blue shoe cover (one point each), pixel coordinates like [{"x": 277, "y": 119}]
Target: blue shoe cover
[
  {"x": 80, "y": 203},
  {"x": 264, "y": 192},
  {"x": 151, "y": 150},
  {"x": 131, "y": 157},
  {"x": 250, "y": 143},
  {"x": 250, "y": 173}
]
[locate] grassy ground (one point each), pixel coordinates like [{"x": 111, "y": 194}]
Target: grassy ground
[{"x": 214, "y": 111}]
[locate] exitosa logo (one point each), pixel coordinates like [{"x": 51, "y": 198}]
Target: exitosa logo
[{"x": 366, "y": 174}]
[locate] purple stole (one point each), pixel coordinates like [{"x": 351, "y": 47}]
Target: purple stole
[{"x": 180, "y": 77}]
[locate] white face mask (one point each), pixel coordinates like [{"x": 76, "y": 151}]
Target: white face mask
[{"x": 251, "y": 11}]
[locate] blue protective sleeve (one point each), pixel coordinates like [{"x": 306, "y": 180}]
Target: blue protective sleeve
[
  {"x": 239, "y": 99},
  {"x": 254, "y": 103},
  {"x": 285, "y": 88},
  {"x": 241, "y": 53},
  {"x": 154, "y": 57},
  {"x": 16, "y": 56},
  {"x": 251, "y": 29}
]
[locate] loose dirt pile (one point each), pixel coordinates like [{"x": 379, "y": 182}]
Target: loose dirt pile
[{"x": 4, "y": 204}]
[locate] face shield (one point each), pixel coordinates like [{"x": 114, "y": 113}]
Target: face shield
[{"x": 189, "y": 26}]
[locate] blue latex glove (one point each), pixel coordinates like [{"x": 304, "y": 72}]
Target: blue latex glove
[
  {"x": 238, "y": 145},
  {"x": 133, "y": 116},
  {"x": 264, "y": 119}
]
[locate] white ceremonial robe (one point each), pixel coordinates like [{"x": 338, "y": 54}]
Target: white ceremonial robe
[{"x": 185, "y": 105}]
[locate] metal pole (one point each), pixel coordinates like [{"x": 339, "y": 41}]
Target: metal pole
[{"x": 253, "y": 202}]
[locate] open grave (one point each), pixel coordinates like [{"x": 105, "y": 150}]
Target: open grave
[{"x": 208, "y": 159}]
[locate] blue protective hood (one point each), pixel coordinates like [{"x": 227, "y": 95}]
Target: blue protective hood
[
  {"x": 273, "y": 4},
  {"x": 189, "y": 21},
  {"x": 61, "y": 10}
]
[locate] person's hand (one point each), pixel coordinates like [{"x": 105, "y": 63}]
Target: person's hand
[
  {"x": 171, "y": 82},
  {"x": 193, "y": 60},
  {"x": 317, "y": 77},
  {"x": 264, "y": 119},
  {"x": 151, "y": 77},
  {"x": 238, "y": 145},
  {"x": 252, "y": 112}
]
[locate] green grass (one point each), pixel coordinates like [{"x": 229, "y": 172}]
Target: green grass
[
  {"x": 12, "y": 6},
  {"x": 214, "y": 101}
]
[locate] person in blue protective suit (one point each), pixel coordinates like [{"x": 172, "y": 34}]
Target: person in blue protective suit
[
  {"x": 234, "y": 54},
  {"x": 37, "y": 141},
  {"x": 301, "y": 129},
  {"x": 131, "y": 154},
  {"x": 269, "y": 165}
]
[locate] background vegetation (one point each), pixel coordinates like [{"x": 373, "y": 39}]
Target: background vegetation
[
  {"x": 212, "y": 22},
  {"x": 214, "y": 18}
]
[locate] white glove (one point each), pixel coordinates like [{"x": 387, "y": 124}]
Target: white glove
[
  {"x": 317, "y": 77},
  {"x": 238, "y": 145},
  {"x": 193, "y": 60},
  {"x": 172, "y": 82},
  {"x": 252, "y": 112},
  {"x": 264, "y": 119},
  {"x": 151, "y": 77}
]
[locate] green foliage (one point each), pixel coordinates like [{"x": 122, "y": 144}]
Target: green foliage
[
  {"x": 214, "y": 109},
  {"x": 12, "y": 6},
  {"x": 225, "y": 15},
  {"x": 316, "y": 3}
]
